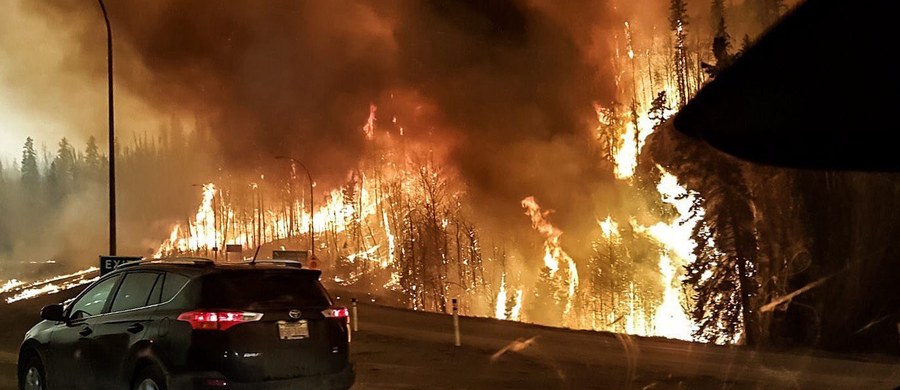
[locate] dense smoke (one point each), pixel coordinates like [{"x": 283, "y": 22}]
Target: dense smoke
[
  {"x": 512, "y": 98},
  {"x": 500, "y": 91},
  {"x": 511, "y": 85}
]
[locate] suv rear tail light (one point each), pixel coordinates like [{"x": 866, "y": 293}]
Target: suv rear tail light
[
  {"x": 336, "y": 312},
  {"x": 217, "y": 320},
  {"x": 339, "y": 313}
]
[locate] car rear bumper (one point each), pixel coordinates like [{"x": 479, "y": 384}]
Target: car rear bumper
[{"x": 207, "y": 381}]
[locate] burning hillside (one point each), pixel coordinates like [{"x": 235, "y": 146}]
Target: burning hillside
[{"x": 403, "y": 223}]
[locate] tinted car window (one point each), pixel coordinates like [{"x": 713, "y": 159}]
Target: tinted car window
[
  {"x": 93, "y": 301},
  {"x": 264, "y": 289},
  {"x": 135, "y": 291},
  {"x": 172, "y": 284}
]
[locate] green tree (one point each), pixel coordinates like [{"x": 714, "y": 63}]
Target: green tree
[
  {"x": 62, "y": 170},
  {"x": 93, "y": 161},
  {"x": 724, "y": 273},
  {"x": 31, "y": 177},
  {"x": 723, "y": 278}
]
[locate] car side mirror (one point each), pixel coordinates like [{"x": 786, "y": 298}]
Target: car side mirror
[{"x": 53, "y": 313}]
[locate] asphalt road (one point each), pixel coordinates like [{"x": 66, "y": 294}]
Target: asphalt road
[{"x": 402, "y": 349}]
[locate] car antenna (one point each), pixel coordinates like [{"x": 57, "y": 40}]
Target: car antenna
[{"x": 253, "y": 262}]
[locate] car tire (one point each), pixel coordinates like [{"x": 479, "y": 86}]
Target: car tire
[
  {"x": 32, "y": 376},
  {"x": 149, "y": 378}
]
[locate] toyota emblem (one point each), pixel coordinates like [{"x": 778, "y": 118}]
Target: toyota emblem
[{"x": 295, "y": 314}]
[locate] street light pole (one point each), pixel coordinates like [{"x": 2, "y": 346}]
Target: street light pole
[
  {"x": 312, "y": 209},
  {"x": 112, "y": 136}
]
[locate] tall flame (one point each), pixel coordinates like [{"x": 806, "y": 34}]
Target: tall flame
[
  {"x": 515, "y": 312},
  {"x": 553, "y": 251},
  {"x": 609, "y": 227},
  {"x": 500, "y": 310},
  {"x": 369, "y": 127},
  {"x": 677, "y": 240}
]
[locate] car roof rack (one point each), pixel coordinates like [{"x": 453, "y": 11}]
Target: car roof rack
[
  {"x": 169, "y": 260},
  {"x": 287, "y": 263}
]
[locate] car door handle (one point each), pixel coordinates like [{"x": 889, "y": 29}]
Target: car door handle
[
  {"x": 86, "y": 331},
  {"x": 135, "y": 328}
]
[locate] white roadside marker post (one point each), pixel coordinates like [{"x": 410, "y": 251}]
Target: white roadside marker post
[
  {"x": 355, "y": 315},
  {"x": 456, "y": 322}
]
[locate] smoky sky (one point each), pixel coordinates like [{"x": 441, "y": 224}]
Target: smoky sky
[{"x": 513, "y": 82}]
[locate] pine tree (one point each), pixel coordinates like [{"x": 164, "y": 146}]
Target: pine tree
[
  {"x": 723, "y": 276},
  {"x": 720, "y": 49},
  {"x": 611, "y": 124},
  {"x": 610, "y": 271},
  {"x": 659, "y": 109},
  {"x": 716, "y": 12},
  {"x": 31, "y": 177},
  {"x": 721, "y": 43},
  {"x": 549, "y": 296},
  {"x": 62, "y": 170},
  {"x": 678, "y": 22},
  {"x": 92, "y": 158}
]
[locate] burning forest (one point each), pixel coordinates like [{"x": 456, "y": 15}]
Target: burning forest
[
  {"x": 409, "y": 220},
  {"x": 513, "y": 155}
]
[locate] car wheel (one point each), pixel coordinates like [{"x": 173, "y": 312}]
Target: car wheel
[
  {"x": 149, "y": 378},
  {"x": 32, "y": 375}
]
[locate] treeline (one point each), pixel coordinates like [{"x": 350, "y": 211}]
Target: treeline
[
  {"x": 53, "y": 204},
  {"x": 740, "y": 261}
]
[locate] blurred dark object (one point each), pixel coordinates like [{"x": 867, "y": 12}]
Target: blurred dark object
[{"x": 817, "y": 91}]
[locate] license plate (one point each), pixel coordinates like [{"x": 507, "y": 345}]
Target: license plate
[{"x": 293, "y": 330}]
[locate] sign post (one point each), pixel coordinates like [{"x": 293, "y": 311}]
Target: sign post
[
  {"x": 109, "y": 263},
  {"x": 233, "y": 248},
  {"x": 355, "y": 316},
  {"x": 456, "y": 340}
]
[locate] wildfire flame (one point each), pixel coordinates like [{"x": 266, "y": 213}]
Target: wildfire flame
[
  {"x": 503, "y": 303},
  {"x": 500, "y": 310},
  {"x": 369, "y": 127},
  {"x": 51, "y": 285},
  {"x": 676, "y": 237},
  {"x": 609, "y": 227},
  {"x": 553, "y": 251}
]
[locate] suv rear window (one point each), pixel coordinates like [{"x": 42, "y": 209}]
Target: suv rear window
[
  {"x": 263, "y": 289},
  {"x": 173, "y": 283},
  {"x": 134, "y": 291}
]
